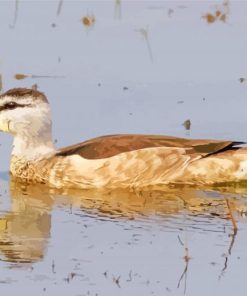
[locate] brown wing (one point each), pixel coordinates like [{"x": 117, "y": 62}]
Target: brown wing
[{"x": 107, "y": 146}]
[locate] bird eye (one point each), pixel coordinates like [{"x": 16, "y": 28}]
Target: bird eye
[{"x": 10, "y": 105}]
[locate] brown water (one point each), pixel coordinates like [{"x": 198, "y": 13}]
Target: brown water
[{"x": 108, "y": 67}]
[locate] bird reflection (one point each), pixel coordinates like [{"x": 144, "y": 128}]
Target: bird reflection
[{"x": 25, "y": 228}]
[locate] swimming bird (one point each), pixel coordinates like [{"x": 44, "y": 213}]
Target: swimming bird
[{"x": 115, "y": 161}]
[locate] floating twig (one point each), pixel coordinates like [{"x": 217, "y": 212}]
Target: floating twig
[
  {"x": 185, "y": 271},
  {"x": 179, "y": 239},
  {"x": 145, "y": 34},
  {"x": 53, "y": 267},
  {"x": 117, "y": 281},
  {"x": 15, "y": 14},
  {"x": 130, "y": 276},
  {"x": 59, "y": 7},
  {"x": 233, "y": 237},
  {"x": 118, "y": 9},
  {"x": 23, "y": 76},
  {"x": 234, "y": 224}
]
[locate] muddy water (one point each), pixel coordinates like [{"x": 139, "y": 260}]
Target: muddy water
[{"x": 112, "y": 67}]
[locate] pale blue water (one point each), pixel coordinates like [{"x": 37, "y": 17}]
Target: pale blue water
[{"x": 125, "y": 244}]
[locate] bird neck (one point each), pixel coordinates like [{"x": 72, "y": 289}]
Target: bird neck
[{"x": 33, "y": 146}]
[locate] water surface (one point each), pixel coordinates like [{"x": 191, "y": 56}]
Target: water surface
[
  {"x": 141, "y": 67},
  {"x": 169, "y": 241}
]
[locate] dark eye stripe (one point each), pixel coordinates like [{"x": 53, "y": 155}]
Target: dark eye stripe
[{"x": 12, "y": 105}]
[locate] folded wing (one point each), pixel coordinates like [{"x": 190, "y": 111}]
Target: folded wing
[{"x": 107, "y": 146}]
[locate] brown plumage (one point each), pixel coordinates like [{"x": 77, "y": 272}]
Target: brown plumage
[
  {"x": 108, "y": 146},
  {"x": 25, "y": 92}
]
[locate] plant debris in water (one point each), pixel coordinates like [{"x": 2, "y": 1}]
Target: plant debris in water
[
  {"x": 59, "y": 7},
  {"x": 88, "y": 20},
  {"x": 170, "y": 12},
  {"x": 15, "y": 14},
  {"x": 118, "y": 9},
  {"x": 221, "y": 13},
  {"x": 20, "y": 76},
  {"x": 187, "y": 124},
  {"x": 145, "y": 34}
]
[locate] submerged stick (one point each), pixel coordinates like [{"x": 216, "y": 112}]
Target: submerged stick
[
  {"x": 59, "y": 7},
  {"x": 234, "y": 224},
  {"x": 144, "y": 33},
  {"x": 15, "y": 14},
  {"x": 118, "y": 9},
  {"x": 233, "y": 237}
]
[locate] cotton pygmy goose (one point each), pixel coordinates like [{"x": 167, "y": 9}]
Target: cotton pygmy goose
[{"x": 116, "y": 161}]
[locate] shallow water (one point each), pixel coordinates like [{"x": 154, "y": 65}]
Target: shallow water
[
  {"x": 142, "y": 67},
  {"x": 156, "y": 242}
]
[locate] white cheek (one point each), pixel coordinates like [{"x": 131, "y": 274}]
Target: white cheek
[
  {"x": 28, "y": 119},
  {"x": 12, "y": 122}
]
